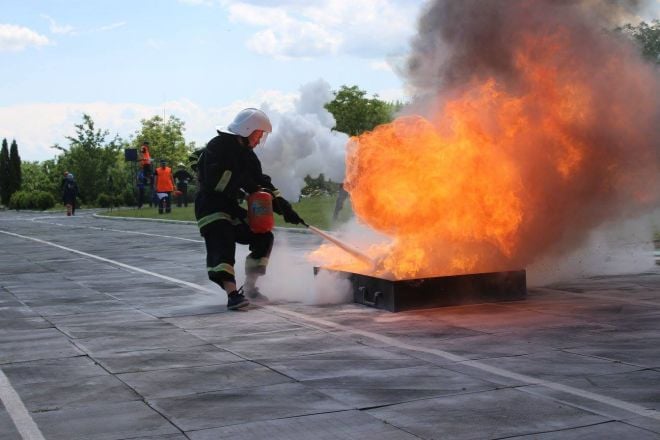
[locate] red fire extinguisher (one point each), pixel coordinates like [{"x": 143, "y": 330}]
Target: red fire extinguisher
[{"x": 260, "y": 212}]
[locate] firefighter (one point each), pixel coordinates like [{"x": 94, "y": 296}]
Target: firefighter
[
  {"x": 164, "y": 184},
  {"x": 228, "y": 169},
  {"x": 182, "y": 177}
]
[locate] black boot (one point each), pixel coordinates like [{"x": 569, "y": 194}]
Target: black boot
[{"x": 236, "y": 300}]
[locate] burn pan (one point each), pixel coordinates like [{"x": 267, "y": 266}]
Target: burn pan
[{"x": 443, "y": 291}]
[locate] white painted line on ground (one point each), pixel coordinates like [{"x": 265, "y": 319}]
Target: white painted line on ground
[
  {"x": 17, "y": 411},
  {"x": 116, "y": 263},
  {"x": 40, "y": 220},
  {"x": 146, "y": 219},
  {"x": 528, "y": 380}
]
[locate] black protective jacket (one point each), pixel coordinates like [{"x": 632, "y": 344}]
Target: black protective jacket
[
  {"x": 181, "y": 177},
  {"x": 69, "y": 192},
  {"x": 227, "y": 169}
]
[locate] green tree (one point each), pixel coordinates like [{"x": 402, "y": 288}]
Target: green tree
[
  {"x": 90, "y": 158},
  {"x": 15, "y": 175},
  {"x": 5, "y": 186},
  {"x": 356, "y": 113},
  {"x": 166, "y": 140},
  {"x": 122, "y": 183},
  {"x": 319, "y": 186},
  {"x": 35, "y": 178},
  {"x": 647, "y": 36},
  {"x": 53, "y": 170}
]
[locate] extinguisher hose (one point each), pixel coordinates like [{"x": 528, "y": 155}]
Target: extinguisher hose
[{"x": 345, "y": 247}]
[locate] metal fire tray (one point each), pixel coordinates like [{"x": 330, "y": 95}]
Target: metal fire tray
[{"x": 424, "y": 293}]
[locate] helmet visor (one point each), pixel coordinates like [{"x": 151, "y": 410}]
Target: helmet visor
[{"x": 262, "y": 141}]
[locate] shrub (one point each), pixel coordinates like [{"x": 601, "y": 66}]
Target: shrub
[
  {"x": 17, "y": 200},
  {"x": 43, "y": 200},
  {"x": 40, "y": 200},
  {"x": 127, "y": 198},
  {"x": 105, "y": 201}
]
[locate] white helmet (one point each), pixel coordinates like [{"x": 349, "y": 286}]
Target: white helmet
[{"x": 249, "y": 120}]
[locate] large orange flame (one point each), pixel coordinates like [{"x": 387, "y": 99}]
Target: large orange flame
[{"x": 500, "y": 175}]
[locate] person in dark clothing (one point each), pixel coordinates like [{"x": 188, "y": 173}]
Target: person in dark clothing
[
  {"x": 69, "y": 194},
  {"x": 181, "y": 178},
  {"x": 63, "y": 181},
  {"x": 227, "y": 169},
  {"x": 141, "y": 183},
  {"x": 342, "y": 195},
  {"x": 153, "y": 198}
]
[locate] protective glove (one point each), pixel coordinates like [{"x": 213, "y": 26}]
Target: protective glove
[
  {"x": 291, "y": 216},
  {"x": 282, "y": 207}
]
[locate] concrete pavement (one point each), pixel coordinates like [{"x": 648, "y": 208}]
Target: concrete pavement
[{"x": 110, "y": 330}]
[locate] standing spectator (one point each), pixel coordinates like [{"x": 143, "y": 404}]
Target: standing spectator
[
  {"x": 145, "y": 161},
  {"x": 164, "y": 183},
  {"x": 342, "y": 195},
  {"x": 182, "y": 177},
  {"x": 69, "y": 194},
  {"x": 141, "y": 182},
  {"x": 153, "y": 195}
]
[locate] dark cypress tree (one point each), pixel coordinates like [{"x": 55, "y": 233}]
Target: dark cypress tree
[
  {"x": 15, "y": 177},
  {"x": 5, "y": 186}
]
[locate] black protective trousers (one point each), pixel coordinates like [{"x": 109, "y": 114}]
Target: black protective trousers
[
  {"x": 221, "y": 237},
  {"x": 182, "y": 198}
]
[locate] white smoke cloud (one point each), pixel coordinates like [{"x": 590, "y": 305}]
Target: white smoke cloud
[
  {"x": 331, "y": 288},
  {"x": 621, "y": 247},
  {"x": 288, "y": 262},
  {"x": 303, "y": 142}
]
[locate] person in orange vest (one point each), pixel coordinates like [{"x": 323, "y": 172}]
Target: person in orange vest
[
  {"x": 145, "y": 162},
  {"x": 164, "y": 185}
]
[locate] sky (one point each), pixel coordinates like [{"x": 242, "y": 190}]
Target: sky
[{"x": 201, "y": 60}]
